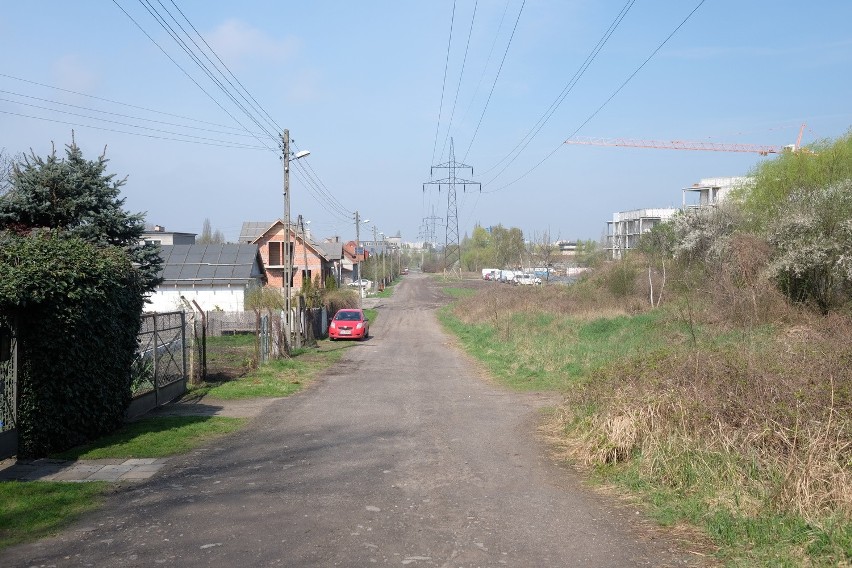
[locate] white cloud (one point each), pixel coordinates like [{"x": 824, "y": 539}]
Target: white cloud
[{"x": 236, "y": 41}]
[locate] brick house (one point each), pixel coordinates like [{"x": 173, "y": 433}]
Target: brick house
[{"x": 307, "y": 258}]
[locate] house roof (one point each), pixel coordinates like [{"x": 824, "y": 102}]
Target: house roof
[
  {"x": 331, "y": 251},
  {"x": 210, "y": 265},
  {"x": 252, "y": 230}
]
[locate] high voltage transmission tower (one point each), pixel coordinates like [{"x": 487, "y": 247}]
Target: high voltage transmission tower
[
  {"x": 430, "y": 225},
  {"x": 452, "y": 246}
]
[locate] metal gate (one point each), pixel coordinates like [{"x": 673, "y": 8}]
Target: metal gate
[
  {"x": 159, "y": 373},
  {"x": 8, "y": 389}
]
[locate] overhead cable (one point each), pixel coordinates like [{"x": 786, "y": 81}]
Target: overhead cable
[
  {"x": 461, "y": 75},
  {"x": 494, "y": 84},
  {"x": 444, "y": 84},
  {"x": 612, "y": 96},
  {"x": 569, "y": 86}
]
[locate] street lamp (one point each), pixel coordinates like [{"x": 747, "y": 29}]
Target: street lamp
[{"x": 288, "y": 260}]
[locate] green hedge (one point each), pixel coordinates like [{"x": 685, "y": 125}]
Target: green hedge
[{"x": 78, "y": 309}]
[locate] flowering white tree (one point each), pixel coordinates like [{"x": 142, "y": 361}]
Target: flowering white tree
[{"x": 813, "y": 241}]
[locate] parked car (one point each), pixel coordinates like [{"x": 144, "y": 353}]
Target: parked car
[
  {"x": 363, "y": 283},
  {"x": 488, "y": 273},
  {"x": 507, "y": 276},
  {"x": 527, "y": 279},
  {"x": 349, "y": 324}
]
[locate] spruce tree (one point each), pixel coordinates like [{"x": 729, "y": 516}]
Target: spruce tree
[{"x": 79, "y": 197}]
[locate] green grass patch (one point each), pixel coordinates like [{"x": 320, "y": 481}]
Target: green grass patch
[
  {"x": 279, "y": 377},
  {"x": 550, "y": 351},
  {"x": 155, "y": 438},
  {"x": 388, "y": 290},
  {"x": 457, "y": 293},
  {"x": 764, "y": 538},
  {"x": 371, "y": 314},
  {"x": 32, "y": 510}
]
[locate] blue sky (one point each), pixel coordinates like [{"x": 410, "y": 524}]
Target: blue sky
[{"x": 360, "y": 86}]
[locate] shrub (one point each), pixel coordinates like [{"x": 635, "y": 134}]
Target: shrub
[
  {"x": 77, "y": 310},
  {"x": 813, "y": 238}
]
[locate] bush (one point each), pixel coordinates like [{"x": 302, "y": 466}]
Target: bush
[
  {"x": 338, "y": 299},
  {"x": 813, "y": 238},
  {"x": 77, "y": 310}
]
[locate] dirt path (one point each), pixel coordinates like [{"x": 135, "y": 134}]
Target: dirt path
[{"x": 401, "y": 455}]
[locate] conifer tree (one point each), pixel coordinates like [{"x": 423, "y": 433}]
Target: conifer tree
[{"x": 77, "y": 196}]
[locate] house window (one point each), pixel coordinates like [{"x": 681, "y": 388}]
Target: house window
[{"x": 276, "y": 253}]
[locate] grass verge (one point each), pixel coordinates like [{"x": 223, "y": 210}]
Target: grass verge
[
  {"x": 740, "y": 432},
  {"x": 280, "y": 377},
  {"x": 34, "y": 510},
  {"x": 156, "y": 438}
]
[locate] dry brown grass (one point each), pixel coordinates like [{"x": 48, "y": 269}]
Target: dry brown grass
[
  {"x": 781, "y": 411},
  {"x": 756, "y": 391}
]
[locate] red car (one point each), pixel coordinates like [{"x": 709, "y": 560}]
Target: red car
[{"x": 349, "y": 324}]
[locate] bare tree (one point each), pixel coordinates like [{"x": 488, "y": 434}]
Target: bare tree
[
  {"x": 6, "y": 165},
  {"x": 546, "y": 251},
  {"x": 208, "y": 236}
]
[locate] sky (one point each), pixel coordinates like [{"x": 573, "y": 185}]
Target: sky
[{"x": 379, "y": 92}]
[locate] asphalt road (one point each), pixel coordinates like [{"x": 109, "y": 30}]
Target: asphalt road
[{"x": 402, "y": 455}]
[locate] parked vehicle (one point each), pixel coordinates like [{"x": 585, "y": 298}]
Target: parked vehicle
[
  {"x": 349, "y": 324},
  {"x": 488, "y": 273},
  {"x": 363, "y": 283},
  {"x": 507, "y": 276},
  {"x": 527, "y": 279}
]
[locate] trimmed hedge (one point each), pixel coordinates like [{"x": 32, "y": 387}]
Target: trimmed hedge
[{"x": 77, "y": 308}]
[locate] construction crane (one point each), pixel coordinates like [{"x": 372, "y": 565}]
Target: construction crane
[{"x": 763, "y": 150}]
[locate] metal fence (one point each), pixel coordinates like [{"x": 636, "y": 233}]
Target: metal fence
[
  {"x": 8, "y": 390},
  {"x": 159, "y": 372}
]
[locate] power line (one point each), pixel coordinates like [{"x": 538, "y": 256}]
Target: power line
[
  {"x": 444, "y": 84},
  {"x": 111, "y": 121},
  {"x": 197, "y": 60},
  {"x": 311, "y": 177},
  {"x": 612, "y": 96},
  {"x": 118, "y": 102},
  {"x": 505, "y": 53},
  {"x": 569, "y": 86},
  {"x": 630, "y": 77},
  {"x": 257, "y": 105},
  {"x": 461, "y": 75},
  {"x": 219, "y": 143},
  {"x": 487, "y": 61},
  {"x": 185, "y": 72},
  {"x": 90, "y": 109}
]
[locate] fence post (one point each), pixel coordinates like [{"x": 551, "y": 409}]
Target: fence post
[
  {"x": 156, "y": 358},
  {"x": 183, "y": 344}
]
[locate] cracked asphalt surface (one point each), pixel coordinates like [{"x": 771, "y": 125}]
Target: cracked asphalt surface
[{"x": 400, "y": 455}]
